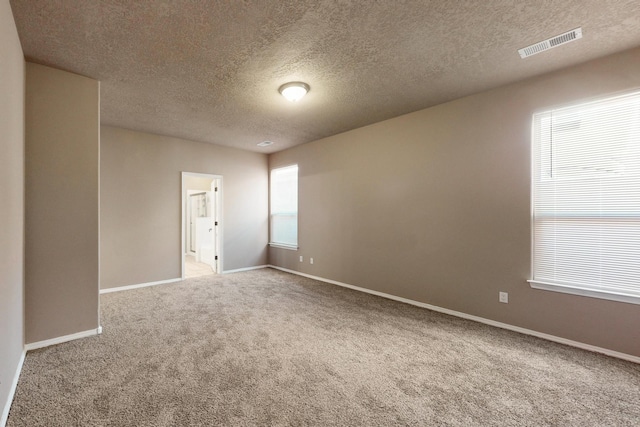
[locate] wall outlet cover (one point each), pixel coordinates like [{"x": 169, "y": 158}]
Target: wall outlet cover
[{"x": 503, "y": 297}]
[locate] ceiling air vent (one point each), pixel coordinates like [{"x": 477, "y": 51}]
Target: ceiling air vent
[{"x": 550, "y": 43}]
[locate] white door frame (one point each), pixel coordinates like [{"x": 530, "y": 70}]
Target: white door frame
[{"x": 218, "y": 214}]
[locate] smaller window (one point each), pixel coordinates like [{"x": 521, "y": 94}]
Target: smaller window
[{"x": 284, "y": 207}]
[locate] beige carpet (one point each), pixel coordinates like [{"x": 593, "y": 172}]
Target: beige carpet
[{"x": 269, "y": 348}]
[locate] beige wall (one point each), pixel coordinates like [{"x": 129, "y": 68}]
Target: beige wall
[
  {"x": 434, "y": 206},
  {"x": 141, "y": 211},
  {"x": 11, "y": 201},
  {"x": 62, "y": 149}
]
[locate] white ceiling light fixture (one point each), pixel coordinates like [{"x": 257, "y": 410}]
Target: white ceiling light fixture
[
  {"x": 294, "y": 91},
  {"x": 264, "y": 143}
]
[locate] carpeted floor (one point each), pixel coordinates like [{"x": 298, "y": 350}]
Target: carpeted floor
[{"x": 269, "y": 348}]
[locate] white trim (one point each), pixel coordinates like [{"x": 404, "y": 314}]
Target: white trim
[
  {"x": 140, "y": 285},
  {"x": 99, "y": 209},
  {"x": 592, "y": 293},
  {"x": 65, "y": 338},
  {"x": 238, "y": 270},
  {"x": 284, "y": 246},
  {"x": 12, "y": 391},
  {"x": 583, "y": 346}
]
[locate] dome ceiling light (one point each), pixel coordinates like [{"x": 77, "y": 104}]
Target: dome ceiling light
[{"x": 294, "y": 91}]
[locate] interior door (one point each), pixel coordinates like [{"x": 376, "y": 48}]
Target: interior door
[{"x": 215, "y": 263}]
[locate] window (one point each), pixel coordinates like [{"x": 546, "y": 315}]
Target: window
[
  {"x": 284, "y": 207},
  {"x": 586, "y": 199}
]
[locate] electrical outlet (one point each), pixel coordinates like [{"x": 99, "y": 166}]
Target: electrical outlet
[
  {"x": 310, "y": 260},
  {"x": 504, "y": 297},
  {"x": 301, "y": 258}
]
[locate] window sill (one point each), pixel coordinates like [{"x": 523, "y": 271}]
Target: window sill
[
  {"x": 283, "y": 246},
  {"x": 585, "y": 292}
]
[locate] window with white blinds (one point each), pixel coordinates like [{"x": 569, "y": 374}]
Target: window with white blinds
[
  {"x": 284, "y": 207},
  {"x": 586, "y": 199}
]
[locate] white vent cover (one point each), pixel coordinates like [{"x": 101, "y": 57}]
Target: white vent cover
[{"x": 567, "y": 37}]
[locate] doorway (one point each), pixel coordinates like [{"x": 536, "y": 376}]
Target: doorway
[{"x": 201, "y": 224}]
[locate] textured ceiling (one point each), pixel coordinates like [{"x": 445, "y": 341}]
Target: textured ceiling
[{"x": 210, "y": 70}]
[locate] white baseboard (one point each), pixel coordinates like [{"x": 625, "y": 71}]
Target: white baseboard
[
  {"x": 33, "y": 346},
  {"x": 238, "y": 270},
  {"x": 12, "y": 390},
  {"x": 583, "y": 346},
  {"x": 140, "y": 285},
  {"x": 65, "y": 338}
]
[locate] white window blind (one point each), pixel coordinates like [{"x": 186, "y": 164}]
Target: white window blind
[
  {"x": 284, "y": 206},
  {"x": 586, "y": 199}
]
